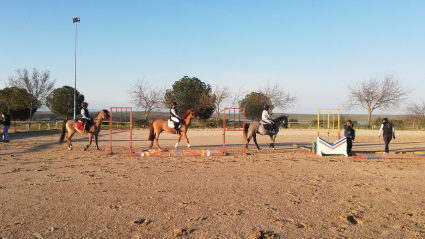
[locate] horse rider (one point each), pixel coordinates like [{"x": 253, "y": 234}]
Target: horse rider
[
  {"x": 174, "y": 116},
  {"x": 266, "y": 118},
  {"x": 85, "y": 116}
]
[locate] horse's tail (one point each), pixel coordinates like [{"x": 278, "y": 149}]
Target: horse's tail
[
  {"x": 63, "y": 132},
  {"x": 246, "y": 127},
  {"x": 151, "y": 132}
]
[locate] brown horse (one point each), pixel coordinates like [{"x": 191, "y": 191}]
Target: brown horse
[
  {"x": 71, "y": 127},
  {"x": 159, "y": 125}
]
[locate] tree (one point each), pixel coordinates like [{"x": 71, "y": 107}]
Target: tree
[
  {"x": 254, "y": 105},
  {"x": 61, "y": 101},
  {"x": 38, "y": 85},
  {"x": 191, "y": 93},
  {"x": 416, "y": 111},
  {"x": 373, "y": 94},
  {"x": 278, "y": 98},
  {"x": 220, "y": 94},
  {"x": 146, "y": 96},
  {"x": 14, "y": 102}
]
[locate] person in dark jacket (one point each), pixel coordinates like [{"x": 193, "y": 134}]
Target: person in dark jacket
[
  {"x": 350, "y": 134},
  {"x": 389, "y": 133},
  {"x": 85, "y": 116},
  {"x": 6, "y": 123}
]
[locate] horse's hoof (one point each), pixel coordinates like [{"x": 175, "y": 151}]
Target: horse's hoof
[{"x": 190, "y": 148}]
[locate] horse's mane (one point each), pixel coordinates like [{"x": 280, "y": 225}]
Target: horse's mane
[
  {"x": 188, "y": 112},
  {"x": 280, "y": 118},
  {"x": 102, "y": 111}
]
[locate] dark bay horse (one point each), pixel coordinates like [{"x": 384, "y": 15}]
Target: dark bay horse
[
  {"x": 254, "y": 128},
  {"x": 159, "y": 125},
  {"x": 71, "y": 127}
]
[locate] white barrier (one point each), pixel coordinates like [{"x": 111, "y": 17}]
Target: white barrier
[{"x": 337, "y": 148}]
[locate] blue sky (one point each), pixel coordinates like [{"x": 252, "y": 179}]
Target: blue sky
[{"x": 312, "y": 48}]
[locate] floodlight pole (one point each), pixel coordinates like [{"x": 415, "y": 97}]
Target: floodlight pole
[{"x": 75, "y": 21}]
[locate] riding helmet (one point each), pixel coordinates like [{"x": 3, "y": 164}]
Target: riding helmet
[
  {"x": 84, "y": 104},
  {"x": 266, "y": 107},
  {"x": 174, "y": 103}
]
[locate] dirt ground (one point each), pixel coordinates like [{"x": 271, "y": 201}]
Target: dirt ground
[{"x": 47, "y": 191}]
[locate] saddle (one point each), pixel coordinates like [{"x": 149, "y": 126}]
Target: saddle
[
  {"x": 171, "y": 124},
  {"x": 80, "y": 125},
  {"x": 266, "y": 125}
]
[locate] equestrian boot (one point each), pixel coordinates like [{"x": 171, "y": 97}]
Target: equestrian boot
[
  {"x": 176, "y": 127},
  {"x": 86, "y": 127}
]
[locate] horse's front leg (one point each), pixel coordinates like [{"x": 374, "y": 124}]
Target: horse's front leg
[
  {"x": 272, "y": 138},
  {"x": 95, "y": 140},
  {"x": 90, "y": 139},
  {"x": 178, "y": 141},
  {"x": 187, "y": 141},
  {"x": 254, "y": 137}
]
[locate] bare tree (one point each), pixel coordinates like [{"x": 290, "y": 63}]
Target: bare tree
[
  {"x": 221, "y": 94},
  {"x": 146, "y": 96},
  {"x": 372, "y": 94},
  {"x": 38, "y": 85},
  {"x": 279, "y": 98},
  {"x": 416, "y": 111},
  {"x": 236, "y": 97}
]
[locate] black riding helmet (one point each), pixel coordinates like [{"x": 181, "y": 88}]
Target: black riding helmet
[{"x": 266, "y": 107}]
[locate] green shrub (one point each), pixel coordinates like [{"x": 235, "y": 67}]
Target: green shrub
[{"x": 141, "y": 123}]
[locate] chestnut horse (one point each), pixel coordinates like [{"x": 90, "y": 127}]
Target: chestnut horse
[
  {"x": 159, "y": 125},
  {"x": 71, "y": 127}
]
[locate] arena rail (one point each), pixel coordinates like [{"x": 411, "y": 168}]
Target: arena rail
[
  {"x": 118, "y": 121},
  {"x": 233, "y": 121}
]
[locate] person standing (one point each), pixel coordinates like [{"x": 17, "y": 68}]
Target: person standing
[
  {"x": 389, "y": 133},
  {"x": 6, "y": 124},
  {"x": 350, "y": 134}
]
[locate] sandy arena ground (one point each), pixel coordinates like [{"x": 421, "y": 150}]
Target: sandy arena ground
[{"x": 47, "y": 191}]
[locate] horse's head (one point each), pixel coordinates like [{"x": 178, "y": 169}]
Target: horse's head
[
  {"x": 104, "y": 114},
  {"x": 190, "y": 114},
  {"x": 282, "y": 120}
]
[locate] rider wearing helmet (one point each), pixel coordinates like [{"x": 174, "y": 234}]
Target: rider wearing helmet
[
  {"x": 85, "y": 116},
  {"x": 266, "y": 117},
  {"x": 174, "y": 116}
]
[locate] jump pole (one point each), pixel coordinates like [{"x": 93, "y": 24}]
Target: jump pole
[
  {"x": 225, "y": 128},
  {"x": 119, "y": 119},
  {"x": 324, "y": 147},
  {"x": 329, "y": 129}
]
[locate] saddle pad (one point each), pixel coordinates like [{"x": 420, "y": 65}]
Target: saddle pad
[
  {"x": 80, "y": 126},
  {"x": 170, "y": 123}
]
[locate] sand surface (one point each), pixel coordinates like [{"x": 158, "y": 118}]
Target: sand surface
[{"x": 47, "y": 191}]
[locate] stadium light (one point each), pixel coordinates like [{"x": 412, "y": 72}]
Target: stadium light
[{"x": 75, "y": 21}]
